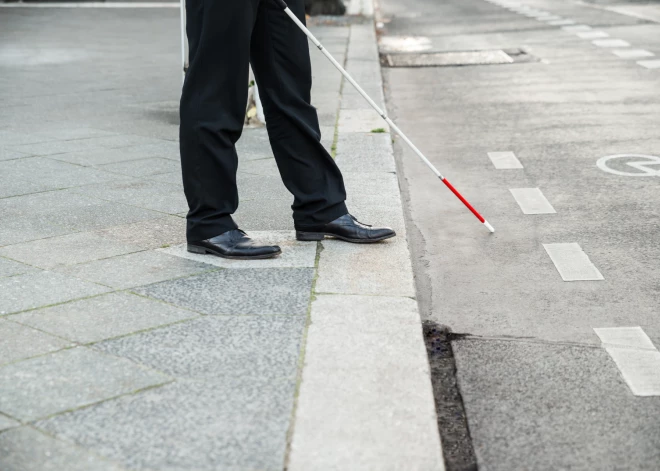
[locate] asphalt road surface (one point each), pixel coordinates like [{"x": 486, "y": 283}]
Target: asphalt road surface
[{"x": 577, "y": 246}]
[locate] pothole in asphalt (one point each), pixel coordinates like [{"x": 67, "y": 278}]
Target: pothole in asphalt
[{"x": 456, "y": 58}]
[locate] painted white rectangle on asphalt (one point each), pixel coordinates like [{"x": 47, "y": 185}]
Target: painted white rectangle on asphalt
[
  {"x": 636, "y": 357},
  {"x": 632, "y": 53},
  {"x": 504, "y": 160},
  {"x": 576, "y": 28},
  {"x": 572, "y": 263},
  {"x": 549, "y": 18},
  {"x": 593, "y": 35},
  {"x": 610, "y": 43},
  {"x": 532, "y": 201},
  {"x": 650, "y": 64},
  {"x": 561, "y": 22},
  {"x": 633, "y": 337}
]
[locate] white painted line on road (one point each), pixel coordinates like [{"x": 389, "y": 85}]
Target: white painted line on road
[
  {"x": 93, "y": 5},
  {"x": 576, "y": 28},
  {"x": 593, "y": 35},
  {"x": 636, "y": 357},
  {"x": 532, "y": 201},
  {"x": 572, "y": 263},
  {"x": 561, "y": 22},
  {"x": 549, "y": 18},
  {"x": 655, "y": 64},
  {"x": 610, "y": 43},
  {"x": 632, "y": 53},
  {"x": 504, "y": 160}
]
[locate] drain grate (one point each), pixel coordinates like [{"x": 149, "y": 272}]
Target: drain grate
[{"x": 453, "y": 59}]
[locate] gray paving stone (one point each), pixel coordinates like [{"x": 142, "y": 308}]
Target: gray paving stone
[
  {"x": 173, "y": 178},
  {"x": 14, "y": 187},
  {"x": 156, "y": 196},
  {"x": 14, "y": 231},
  {"x": 9, "y": 154},
  {"x": 253, "y": 141},
  {"x": 102, "y": 317},
  {"x": 372, "y": 189},
  {"x": 100, "y": 215},
  {"x": 136, "y": 269},
  {"x": 69, "y": 249},
  {"x": 53, "y": 173},
  {"x": 245, "y": 291},
  {"x": 380, "y": 269},
  {"x": 67, "y": 133},
  {"x": 56, "y": 147},
  {"x": 26, "y": 449},
  {"x": 103, "y": 156},
  {"x": 33, "y": 290},
  {"x": 12, "y": 138},
  {"x": 364, "y": 153},
  {"x": 143, "y": 167},
  {"x": 11, "y": 268},
  {"x": 214, "y": 347},
  {"x": 121, "y": 140},
  {"x": 294, "y": 253},
  {"x": 7, "y": 423},
  {"x": 264, "y": 215},
  {"x": 18, "y": 342},
  {"x": 362, "y": 121},
  {"x": 230, "y": 424},
  {"x": 261, "y": 186},
  {"x": 151, "y": 234},
  {"x": 54, "y": 383},
  {"x": 265, "y": 167}
]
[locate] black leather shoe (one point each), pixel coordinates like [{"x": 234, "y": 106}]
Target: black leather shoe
[
  {"x": 345, "y": 228},
  {"x": 234, "y": 244}
]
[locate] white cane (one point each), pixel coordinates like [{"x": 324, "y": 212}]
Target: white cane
[{"x": 382, "y": 114}]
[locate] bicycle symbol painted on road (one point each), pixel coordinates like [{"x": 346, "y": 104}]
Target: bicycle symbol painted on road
[{"x": 645, "y": 165}]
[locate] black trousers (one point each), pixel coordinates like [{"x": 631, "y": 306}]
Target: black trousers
[{"x": 225, "y": 36}]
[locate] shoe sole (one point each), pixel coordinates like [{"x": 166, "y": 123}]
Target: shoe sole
[
  {"x": 316, "y": 236},
  {"x": 205, "y": 251}
]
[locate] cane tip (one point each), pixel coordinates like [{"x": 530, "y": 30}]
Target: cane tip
[{"x": 489, "y": 227}]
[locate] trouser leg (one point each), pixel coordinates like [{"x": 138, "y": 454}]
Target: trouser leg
[
  {"x": 280, "y": 60},
  {"x": 213, "y": 110}
]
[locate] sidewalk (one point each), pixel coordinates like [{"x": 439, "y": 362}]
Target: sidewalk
[{"x": 118, "y": 349}]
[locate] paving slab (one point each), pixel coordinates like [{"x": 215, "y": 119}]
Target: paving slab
[
  {"x": 366, "y": 375},
  {"x": 33, "y": 290},
  {"x": 230, "y": 424},
  {"x": 136, "y": 269},
  {"x": 295, "y": 254},
  {"x": 357, "y": 152},
  {"x": 10, "y": 154},
  {"x": 156, "y": 196},
  {"x": 101, "y": 156},
  {"x": 12, "y": 138},
  {"x": 102, "y": 317},
  {"x": 143, "y": 167},
  {"x": 150, "y": 234},
  {"x": 56, "y": 147},
  {"x": 27, "y": 449},
  {"x": 280, "y": 291},
  {"x": 12, "y": 268},
  {"x": 68, "y": 379},
  {"x": 15, "y": 187},
  {"x": 381, "y": 269},
  {"x": 18, "y": 342},
  {"x": 361, "y": 121},
  {"x": 69, "y": 249},
  {"x": 216, "y": 347},
  {"x": 7, "y": 423},
  {"x": 62, "y": 132},
  {"x": 56, "y": 173}
]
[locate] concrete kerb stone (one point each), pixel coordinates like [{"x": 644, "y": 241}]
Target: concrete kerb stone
[{"x": 365, "y": 399}]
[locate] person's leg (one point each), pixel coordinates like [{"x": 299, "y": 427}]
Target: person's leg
[
  {"x": 213, "y": 110},
  {"x": 280, "y": 60}
]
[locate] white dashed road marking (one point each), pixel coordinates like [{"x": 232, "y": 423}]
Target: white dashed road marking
[
  {"x": 532, "y": 201},
  {"x": 576, "y": 28},
  {"x": 593, "y": 35},
  {"x": 561, "y": 22},
  {"x": 632, "y": 53},
  {"x": 611, "y": 43},
  {"x": 650, "y": 64},
  {"x": 572, "y": 263},
  {"x": 636, "y": 357},
  {"x": 504, "y": 160}
]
